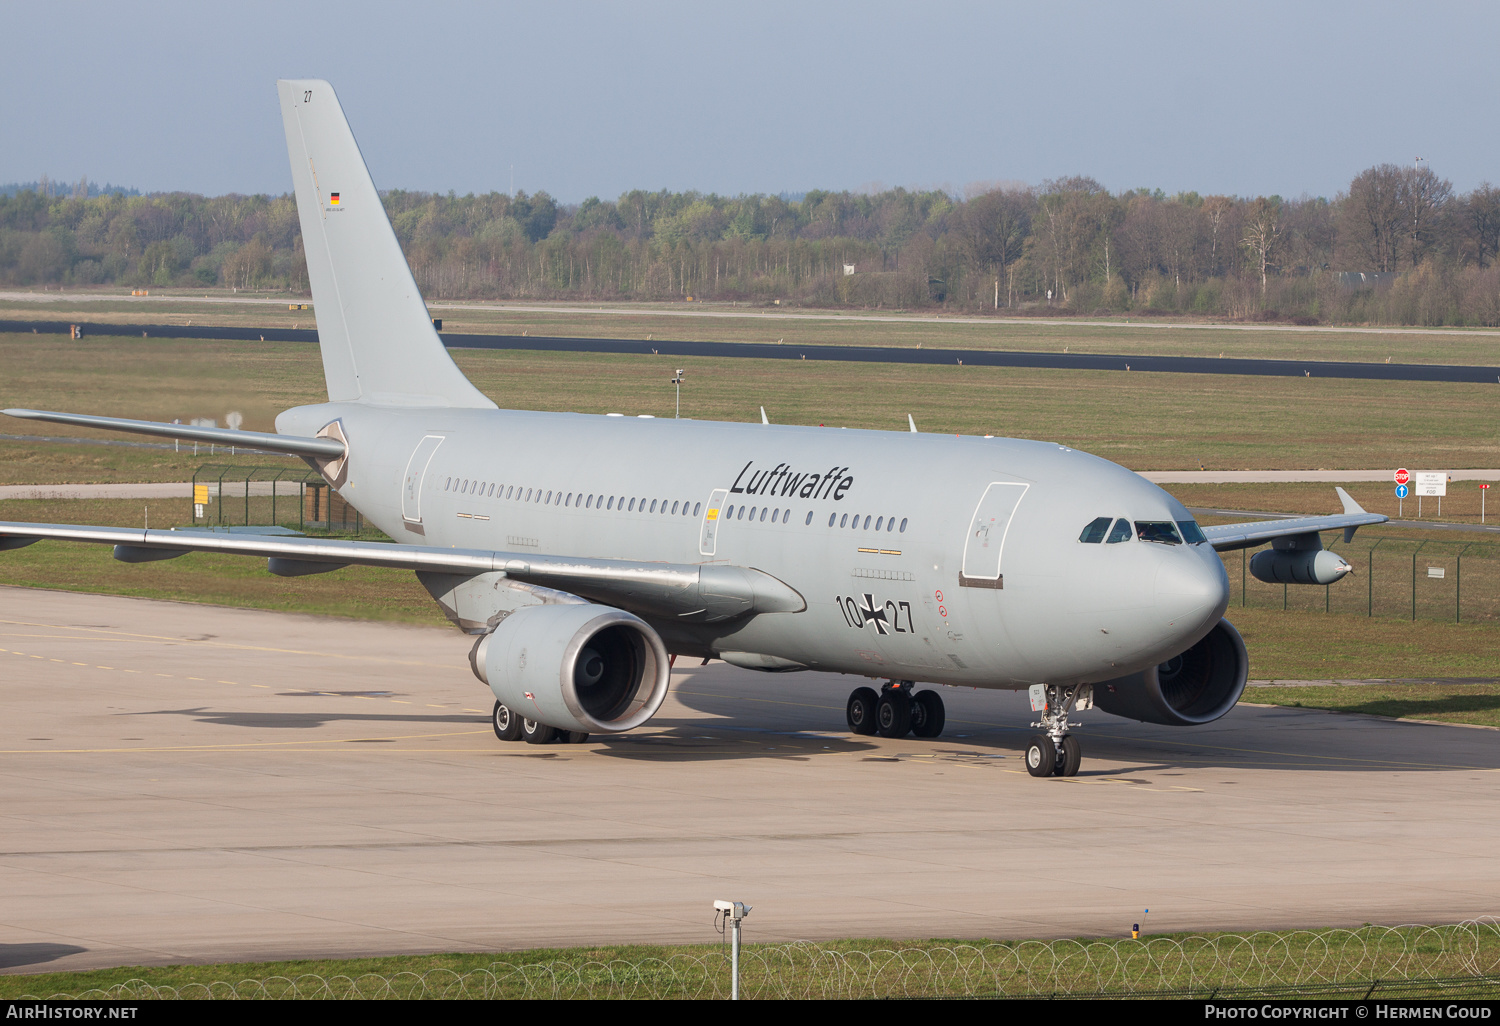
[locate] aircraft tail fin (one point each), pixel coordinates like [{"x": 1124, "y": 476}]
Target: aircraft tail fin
[{"x": 374, "y": 330}]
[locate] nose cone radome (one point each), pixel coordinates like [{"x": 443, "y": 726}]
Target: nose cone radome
[{"x": 1192, "y": 591}]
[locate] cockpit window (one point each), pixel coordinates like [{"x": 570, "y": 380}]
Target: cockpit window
[
  {"x": 1120, "y": 533},
  {"x": 1163, "y": 531},
  {"x": 1191, "y": 532},
  {"x": 1094, "y": 533}
]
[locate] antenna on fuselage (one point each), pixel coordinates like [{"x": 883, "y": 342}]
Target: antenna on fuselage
[
  {"x": 912, "y": 422},
  {"x": 763, "y": 418}
]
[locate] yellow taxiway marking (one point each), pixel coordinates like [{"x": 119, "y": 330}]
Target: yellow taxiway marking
[
  {"x": 130, "y": 635},
  {"x": 239, "y": 746}
]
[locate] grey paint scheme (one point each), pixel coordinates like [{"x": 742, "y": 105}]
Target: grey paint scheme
[{"x": 1044, "y": 608}]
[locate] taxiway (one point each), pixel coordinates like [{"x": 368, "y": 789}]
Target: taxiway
[{"x": 195, "y": 783}]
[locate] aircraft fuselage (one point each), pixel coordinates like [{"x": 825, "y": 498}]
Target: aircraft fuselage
[{"x": 920, "y": 556}]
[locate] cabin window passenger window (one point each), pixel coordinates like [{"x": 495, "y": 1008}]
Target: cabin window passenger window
[
  {"x": 588, "y": 503},
  {"x": 447, "y": 484},
  {"x": 878, "y": 522},
  {"x": 611, "y": 502},
  {"x": 844, "y": 520},
  {"x": 867, "y": 523},
  {"x": 1162, "y": 531},
  {"x": 763, "y": 513},
  {"x": 890, "y": 525},
  {"x": 1094, "y": 533},
  {"x": 1191, "y": 532},
  {"x": 632, "y": 506},
  {"x": 674, "y": 509},
  {"x": 492, "y": 492},
  {"x": 741, "y": 514},
  {"x": 831, "y": 517},
  {"x": 653, "y": 506},
  {"x": 903, "y": 525},
  {"x": 697, "y": 506},
  {"x": 549, "y": 497},
  {"x": 775, "y": 514},
  {"x": 1120, "y": 532}
]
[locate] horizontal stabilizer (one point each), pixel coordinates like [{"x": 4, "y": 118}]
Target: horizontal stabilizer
[{"x": 317, "y": 448}]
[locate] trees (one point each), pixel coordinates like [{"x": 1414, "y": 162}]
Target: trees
[
  {"x": 1262, "y": 232},
  {"x": 992, "y": 228},
  {"x": 1372, "y": 219},
  {"x": 1422, "y": 197}
]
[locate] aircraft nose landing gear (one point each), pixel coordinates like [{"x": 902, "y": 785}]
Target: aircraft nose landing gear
[{"x": 1056, "y": 753}]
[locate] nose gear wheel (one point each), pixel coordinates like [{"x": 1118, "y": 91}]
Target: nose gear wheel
[{"x": 1056, "y": 752}]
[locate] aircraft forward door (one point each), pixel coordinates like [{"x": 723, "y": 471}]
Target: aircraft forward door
[
  {"x": 987, "y": 530},
  {"x": 416, "y": 470}
]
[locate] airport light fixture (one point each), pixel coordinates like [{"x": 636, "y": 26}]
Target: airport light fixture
[
  {"x": 678, "y": 382},
  {"x": 733, "y": 913}
]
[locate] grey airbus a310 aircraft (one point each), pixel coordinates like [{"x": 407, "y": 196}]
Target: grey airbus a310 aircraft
[{"x": 585, "y": 553}]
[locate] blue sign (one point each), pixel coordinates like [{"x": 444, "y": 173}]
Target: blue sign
[{"x": 1401, "y": 492}]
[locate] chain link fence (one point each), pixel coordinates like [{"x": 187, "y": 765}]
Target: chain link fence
[
  {"x": 297, "y": 497},
  {"x": 1456, "y": 961},
  {"x": 1455, "y": 580}
]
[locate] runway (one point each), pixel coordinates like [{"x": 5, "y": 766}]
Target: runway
[
  {"x": 194, "y": 783},
  {"x": 849, "y": 354}
]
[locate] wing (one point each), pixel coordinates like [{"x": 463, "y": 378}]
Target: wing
[
  {"x": 693, "y": 593},
  {"x": 1227, "y": 537}
]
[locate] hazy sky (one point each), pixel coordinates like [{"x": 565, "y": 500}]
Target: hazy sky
[{"x": 594, "y": 99}]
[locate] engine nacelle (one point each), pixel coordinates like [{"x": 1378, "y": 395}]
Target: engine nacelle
[
  {"x": 1299, "y": 566},
  {"x": 1198, "y": 686},
  {"x": 575, "y": 667}
]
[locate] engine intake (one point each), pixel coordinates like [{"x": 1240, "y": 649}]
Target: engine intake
[
  {"x": 1198, "y": 686},
  {"x": 575, "y": 667}
]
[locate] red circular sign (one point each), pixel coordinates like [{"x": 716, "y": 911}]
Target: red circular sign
[{"x": 1403, "y": 475}]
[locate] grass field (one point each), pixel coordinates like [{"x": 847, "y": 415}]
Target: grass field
[
  {"x": 1144, "y": 421},
  {"x": 1474, "y": 703},
  {"x": 661, "y": 321},
  {"x": 1449, "y": 961}
]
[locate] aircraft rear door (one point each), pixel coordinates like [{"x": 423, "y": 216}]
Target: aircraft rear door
[
  {"x": 987, "y": 531},
  {"x": 416, "y": 470}
]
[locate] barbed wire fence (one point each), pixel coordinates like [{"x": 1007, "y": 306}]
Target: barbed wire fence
[{"x": 1456, "y": 961}]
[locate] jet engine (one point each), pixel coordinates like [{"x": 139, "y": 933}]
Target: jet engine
[
  {"x": 1198, "y": 686},
  {"x": 575, "y": 667}
]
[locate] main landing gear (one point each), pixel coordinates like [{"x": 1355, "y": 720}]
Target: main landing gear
[
  {"x": 896, "y": 711},
  {"x": 1056, "y": 753},
  {"x": 511, "y": 727}
]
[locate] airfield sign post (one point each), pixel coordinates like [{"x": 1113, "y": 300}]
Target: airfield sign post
[
  {"x": 1402, "y": 476},
  {"x": 1433, "y": 483},
  {"x": 1483, "y": 491}
]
